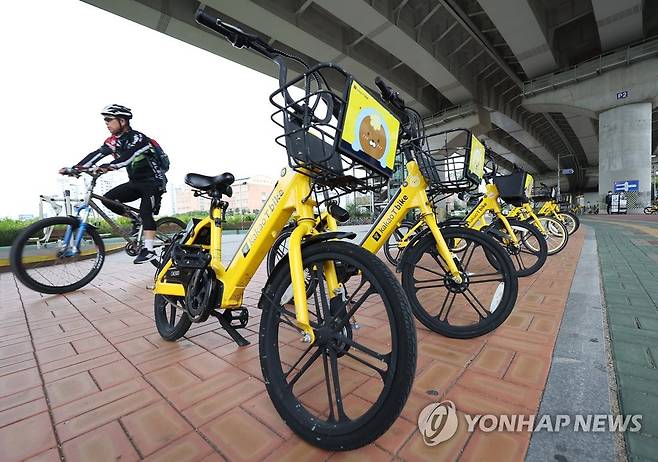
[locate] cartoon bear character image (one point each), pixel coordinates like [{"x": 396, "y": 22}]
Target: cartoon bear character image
[{"x": 372, "y": 136}]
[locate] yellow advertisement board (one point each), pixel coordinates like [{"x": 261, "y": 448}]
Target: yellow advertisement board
[
  {"x": 476, "y": 161},
  {"x": 370, "y": 131},
  {"x": 529, "y": 182}
]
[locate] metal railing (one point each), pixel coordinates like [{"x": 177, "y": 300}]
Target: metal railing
[
  {"x": 452, "y": 113},
  {"x": 593, "y": 67}
]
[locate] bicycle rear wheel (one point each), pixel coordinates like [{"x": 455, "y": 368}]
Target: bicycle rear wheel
[
  {"x": 392, "y": 251},
  {"x": 477, "y": 305},
  {"x": 166, "y": 228},
  {"x": 348, "y": 387},
  {"x": 570, "y": 221},
  {"x": 279, "y": 248},
  {"x": 530, "y": 254},
  {"x": 42, "y": 262}
]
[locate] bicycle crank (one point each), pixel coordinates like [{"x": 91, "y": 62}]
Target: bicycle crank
[{"x": 202, "y": 294}]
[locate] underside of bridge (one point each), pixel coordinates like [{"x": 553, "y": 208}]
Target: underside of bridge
[{"x": 448, "y": 58}]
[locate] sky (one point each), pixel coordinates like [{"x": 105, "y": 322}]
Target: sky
[{"x": 64, "y": 64}]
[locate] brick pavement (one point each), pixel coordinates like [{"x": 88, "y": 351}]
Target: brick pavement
[{"x": 86, "y": 376}]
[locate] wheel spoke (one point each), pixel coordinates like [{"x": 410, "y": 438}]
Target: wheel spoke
[
  {"x": 298, "y": 361},
  {"x": 441, "y": 264},
  {"x": 475, "y": 279},
  {"x": 475, "y": 307},
  {"x": 344, "y": 339},
  {"x": 316, "y": 354},
  {"x": 451, "y": 296},
  {"x": 342, "y": 417},
  {"x": 466, "y": 261},
  {"x": 354, "y": 306},
  {"x": 520, "y": 261},
  {"x": 429, "y": 270},
  {"x": 383, "y": 373},
  {"x": 326, "y": 314},
  {"x": 327, "y": 380}
]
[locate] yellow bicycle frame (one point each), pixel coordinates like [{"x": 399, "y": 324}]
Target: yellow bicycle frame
[
  {"x": 489, "y": 203},
  {"x": 526, "y": 212},
  {"x": 551, "y": 208},
  {"x": 291, "y": 195},
  {"x": 410, "y": 196}
]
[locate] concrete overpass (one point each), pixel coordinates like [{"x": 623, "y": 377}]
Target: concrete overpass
[{"x": 443, "y": 56}]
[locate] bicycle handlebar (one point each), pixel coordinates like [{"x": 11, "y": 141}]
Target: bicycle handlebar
[
  {"x": 389, "y": 94},
  {"x": 76, "y": 172},
  {"x": 234, "y": 34}
]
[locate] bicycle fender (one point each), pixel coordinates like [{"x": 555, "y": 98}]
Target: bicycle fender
[{"x": 327, "y": 236}]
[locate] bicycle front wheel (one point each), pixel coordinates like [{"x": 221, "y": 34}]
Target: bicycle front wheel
[
  {"x": 470, "y": 308},
  {"x": 45, "y": 257},
  {"x": 348, "y": 387}
]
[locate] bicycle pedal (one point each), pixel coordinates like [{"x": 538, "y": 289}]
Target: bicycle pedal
[
  {"x": 238, "y": 318},
  {"x": 226, "y": 320}
]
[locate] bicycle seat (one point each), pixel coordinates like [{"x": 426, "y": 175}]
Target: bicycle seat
[{"x": 220, "y": 183}]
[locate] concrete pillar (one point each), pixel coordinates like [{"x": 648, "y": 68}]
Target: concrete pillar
[{"x": 625, "y": 150}]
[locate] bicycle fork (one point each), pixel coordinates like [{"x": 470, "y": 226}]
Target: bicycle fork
[{"x": 71, "y": 250}]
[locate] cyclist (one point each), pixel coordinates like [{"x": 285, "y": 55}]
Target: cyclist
[{"x": 146, "y": 179}]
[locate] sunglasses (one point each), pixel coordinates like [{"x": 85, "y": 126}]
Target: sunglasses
[{"x": 109, "y": 119}]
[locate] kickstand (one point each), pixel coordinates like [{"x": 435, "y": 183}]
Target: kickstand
[{"x": 226, "y": 324}]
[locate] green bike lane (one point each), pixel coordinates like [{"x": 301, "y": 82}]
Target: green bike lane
[{"x": 628, "y": 256}]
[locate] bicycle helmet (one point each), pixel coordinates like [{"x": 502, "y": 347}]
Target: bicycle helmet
[{"x": 117, "y": 110}]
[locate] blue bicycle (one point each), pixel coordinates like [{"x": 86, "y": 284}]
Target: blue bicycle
[{"x": 62, "y": 254}]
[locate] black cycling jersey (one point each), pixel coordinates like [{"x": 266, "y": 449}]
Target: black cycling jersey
[{"x": 132, "y": 150}]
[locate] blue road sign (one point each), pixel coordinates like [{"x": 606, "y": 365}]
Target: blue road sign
[{"x": 627, "y": 186}]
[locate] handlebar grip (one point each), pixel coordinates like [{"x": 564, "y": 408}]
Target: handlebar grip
[
  {"x": 340, "y": 214},
  {"x": 215, "y": 23},
  {"x": 387, "y": 93}
]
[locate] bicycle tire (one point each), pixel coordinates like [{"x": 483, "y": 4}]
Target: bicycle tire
[
  {"x": 338, "y": 434},
  {"x": 21, "y": 271},
  {"x": 539, "y": 251},
  {"x": 168, "y": 330},
  {"x": 567, "y": 217},
  {"x": 279, "y": 249},
  {"x": 426, "y": 247},
  {"x": 173, "y": 225},
  {"x": 399, "y": 233},
  {"x": 555, "y": 228}
]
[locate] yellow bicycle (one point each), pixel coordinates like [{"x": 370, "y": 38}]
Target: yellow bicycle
[
  {"x": 522, "y": 241},
  {"x": 554, "y": 231},
  {"x": 460, "y": 282},
  {"x": 550, "y": 208},
  {"x": 313, "y": 355}
]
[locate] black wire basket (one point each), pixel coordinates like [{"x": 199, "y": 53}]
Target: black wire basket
[
  {"x": 513, "y": 188},
  {"x": 335, "y": 131},
  {"x": 543, "y": 194},
  {"x": 451, "y": 161}
]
